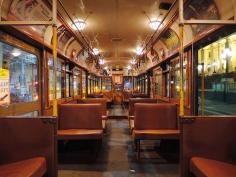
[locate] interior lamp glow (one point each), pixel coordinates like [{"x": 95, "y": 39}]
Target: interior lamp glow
[
  {"x": 95, "y": 51},
  {"x": 227, "y": 53},
  {"x": 129, "y": 67},
  {"x": 139, "y": 50},
  {"x": 16, "y": 53},
  {"x": 154, "y": 24},
  {"x": 133, "y": 62},
  {"x": 80, "y": 24},
  {"x": 200, "y": 67},
  {"x": 101, "y": 61},
  {"x": 106, "y": 67}
]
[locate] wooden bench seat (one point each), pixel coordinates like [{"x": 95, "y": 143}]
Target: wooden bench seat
[
  {"x": 80, "y": 121},
  {"x": 132, "y": 102},
  {"x": 35, "y": 167},
  {"x": 28, "y": 147},
  {"x": 156, "y": 134},
  {"x": 202, "y": 167},
  {"x": 78, "y": 134},
  {"x": 208, "y": 146},
  {"x": 154, "y": 122}
]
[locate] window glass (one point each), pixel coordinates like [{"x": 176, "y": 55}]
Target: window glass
[
  {"x": 18, "y": 75},
  {"x": 76, "y": 82},
  {"x": 158, "y": 82},
  {"x": 60, "y": 79},
  {"x": 217, "y": 77},
  {"x": 128, "y": 83}
]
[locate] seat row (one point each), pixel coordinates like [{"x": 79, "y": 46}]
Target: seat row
[{"x": 29, "y": 145}]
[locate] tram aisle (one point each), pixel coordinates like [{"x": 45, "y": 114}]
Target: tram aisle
[{"x": 117, "y": 159}]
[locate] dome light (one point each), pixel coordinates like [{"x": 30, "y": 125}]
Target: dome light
[
  {"x": 133, "y": 62},
  {"x": 95, "y": 51},
  {"x": 139, "y": 51},
  {"x": 101, "y": 61},
  {"x": 154, "y": 24},
  {"x": 79, "y": 25}
]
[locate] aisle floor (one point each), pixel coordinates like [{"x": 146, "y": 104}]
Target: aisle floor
[{"x": 116, "y": 158}]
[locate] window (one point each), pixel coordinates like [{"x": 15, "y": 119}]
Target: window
[
  {"x": 59, "y": 79},
  {"x": 76, "y": 82},
  {"x": 69, "y": 81},
  {"x": 175, "y": 77},
  {"x": 106, "y": 84},
  {"x": 18, "y": 75},
  {"x": 128, "y": 83},
  {"x": 158, "y": 82},
  {"x": 217, "y": 77}
]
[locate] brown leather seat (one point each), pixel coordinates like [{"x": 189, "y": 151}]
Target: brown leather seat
[
  {"x": 35, "y": 167},
  {"x": 28, "y": 147},
  {"x": 80, "y": 121},
  {"x": 202, "y": 167},
  {"x": 132, "y": 101},
  {"x": 154, "y": 122},
  {"x": 208, "y": 146},
  {"x": 101, "y": 101}
]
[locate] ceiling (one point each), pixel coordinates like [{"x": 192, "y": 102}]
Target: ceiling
[{"x": 116, "y": 27}]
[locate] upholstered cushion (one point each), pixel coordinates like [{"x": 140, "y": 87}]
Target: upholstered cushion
[
  {"x": 71, "y": 134},
  {"x": 202, "y": 167},
  {"x": 155, "y": 134},
  {"x": 35, "y": 167},
  {"x": 132, "y": 101}
]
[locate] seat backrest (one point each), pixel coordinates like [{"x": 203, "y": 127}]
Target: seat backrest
[
  {"x": 155, "y": 116},
  {"x": 96, "y": 95},
  {"x": 132, "y": 101},
  {"x": 24, "y": 138},
  {"x": 102, "y": 101},
  {"x": 210, "y": 137},
  {"x": 80, "y": 116}
]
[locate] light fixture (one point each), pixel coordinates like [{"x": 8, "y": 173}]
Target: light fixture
[
  {"x": 106, "y": 67},
  {"x": 139, "y": 50},
  {"x": 154, "y": 24},
  {"x": 133, "y": 62},
  {"x": 200, "y": 67},
  {"x": 95, "y": 51},
  {"x": 129, "y": 67},
  {"x": 227, "y": 53},
  {"x": 16, "y": 53},
  {"x": 101, "y": 61},
  {"x": 79, "y": 25}
]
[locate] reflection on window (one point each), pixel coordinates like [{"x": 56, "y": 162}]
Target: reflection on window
[
  {"x": 217, "y": 77},
  {"x": 106, "y": 84},
  {"x": 18, "y": 75},
  {"x": 175, "y": 78},
  {"x": 76, "y": 82}
]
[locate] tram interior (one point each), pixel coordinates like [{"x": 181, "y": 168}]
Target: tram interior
[{"x": 117, "y": 88}]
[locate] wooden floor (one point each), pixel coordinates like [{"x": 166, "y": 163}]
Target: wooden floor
[{"x": 116, "y": 157}]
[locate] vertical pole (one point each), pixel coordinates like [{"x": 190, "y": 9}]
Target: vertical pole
[
  {"x": 181, "y": 53},
  {"x": 54, "y": 43}
]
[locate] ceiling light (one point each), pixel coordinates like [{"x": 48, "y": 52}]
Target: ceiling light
[
  {"x": 95, "y": 51},
  {"x": 133, "y": 62},
  {"x": 154, "y": 24},
  {"x": 139, "y": 51},
  {"x": 101, "y": 61},
  {"x": 79, "y": 25},
  {"x": 16, "y": 53}
]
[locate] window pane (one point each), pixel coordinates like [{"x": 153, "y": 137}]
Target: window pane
[
  {"x": 217, "y": 76},
  {"x": 18, "y": 75}
]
